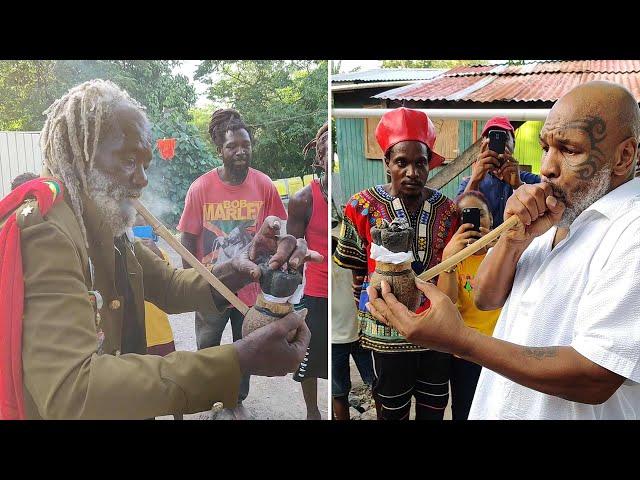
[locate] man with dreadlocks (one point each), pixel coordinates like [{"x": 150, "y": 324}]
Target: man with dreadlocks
[
  {"x": 222, "y": 212},
  {"x": 85, "y": 282},
  {"x": 308, "y": 217}
]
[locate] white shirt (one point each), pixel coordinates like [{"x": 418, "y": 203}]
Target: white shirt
[{"x": 585, "y": 293}]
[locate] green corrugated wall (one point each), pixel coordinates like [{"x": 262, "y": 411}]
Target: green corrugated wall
[
  {"x": 465, "y": 133},
  {"x": 356, "y": 172}
]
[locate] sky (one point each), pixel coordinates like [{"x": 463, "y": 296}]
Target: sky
[
  {"x": 347, "y": 66},
  {"x": 188, "y": 68}
]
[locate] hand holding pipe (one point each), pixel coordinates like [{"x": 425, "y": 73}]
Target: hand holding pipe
[
  {"x": 469, "y": 250},
  {"x": 162, "y": 231}
]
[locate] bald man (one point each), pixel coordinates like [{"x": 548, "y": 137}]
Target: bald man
[{"x": 567, "y": 343}]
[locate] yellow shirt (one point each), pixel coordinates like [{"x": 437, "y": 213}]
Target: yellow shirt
[
  {"x": 156, "y": 322},
  {"x": 483, "y": 321}
]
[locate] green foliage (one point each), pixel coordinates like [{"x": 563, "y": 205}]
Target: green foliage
[
  {"x": 284, "y": 102},
  {"x": 151, "y": 82},
  {"x": 28, "y": 87},
  {"x": 200, "y": 119},
  {"x": 430, "y": 63},
  {"x": 25, "y": 90},
  {"x": 169, "y": 180}
]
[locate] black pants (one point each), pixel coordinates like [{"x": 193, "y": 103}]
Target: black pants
[
  {"x": 464, "y": 378},
  {"x": 316, "y": 361},
  {"x": 400, "y": 376},
  {"x": 209, "y": 329}
]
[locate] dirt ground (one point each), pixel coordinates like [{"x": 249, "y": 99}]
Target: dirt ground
[{"x": 275, "y": 398}]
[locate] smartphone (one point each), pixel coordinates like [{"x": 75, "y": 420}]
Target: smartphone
[
  {"x": 497, "y": 140},
  {"x": 145, "y": 231},
  {"x": 471, "y": 215}
]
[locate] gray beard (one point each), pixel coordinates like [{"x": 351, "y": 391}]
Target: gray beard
[
  {"x": 110, "y": 198},
  {"x": 593, "y": 191}
]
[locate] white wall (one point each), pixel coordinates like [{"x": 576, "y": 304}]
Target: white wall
[{"x": 19, "y": 153}]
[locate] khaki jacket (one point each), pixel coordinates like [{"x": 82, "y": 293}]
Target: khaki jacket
[{"x": 64, "y": 375}]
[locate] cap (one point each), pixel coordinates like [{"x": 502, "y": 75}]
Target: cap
[{"x": 500, "y": 122}]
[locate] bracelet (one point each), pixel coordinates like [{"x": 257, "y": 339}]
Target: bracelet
[{"x": 452, "y": 269}]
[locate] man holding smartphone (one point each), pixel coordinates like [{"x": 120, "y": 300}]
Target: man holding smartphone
[{"x": 496, "y": 173}]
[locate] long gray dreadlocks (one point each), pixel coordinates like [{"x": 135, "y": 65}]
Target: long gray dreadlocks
[{"x": 71, "y": 132}]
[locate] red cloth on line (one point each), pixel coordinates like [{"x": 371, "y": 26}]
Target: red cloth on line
[
  {"x": 317, "y": 274},
  {"x": 47, "y": 192}
]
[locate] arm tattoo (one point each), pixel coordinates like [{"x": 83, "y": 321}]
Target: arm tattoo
[
  {"x": 596, "y": 130},
  {"x": 540, "y": 352}
]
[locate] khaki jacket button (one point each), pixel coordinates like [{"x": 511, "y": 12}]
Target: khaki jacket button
[
  {"x": 217, "y": 407},
  {"x": 114, "y": 305}
]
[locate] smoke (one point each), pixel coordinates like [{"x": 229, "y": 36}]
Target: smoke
[
  {"x": 162, "y": 195},
  {"x": 160, "y": 207}
]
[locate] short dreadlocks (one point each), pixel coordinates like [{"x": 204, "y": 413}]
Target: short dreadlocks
[
  {"x": 323, "y": 132},
  {"x": 224, "y": 120}
]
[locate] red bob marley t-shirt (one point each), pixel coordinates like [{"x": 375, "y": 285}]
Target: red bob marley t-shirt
[{"x": 226, "y": 217}]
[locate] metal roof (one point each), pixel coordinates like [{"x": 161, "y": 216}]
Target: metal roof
[
  {"x": 388, "y": 75},
  {"x": 562, "y": 66},
  {"x": 535, "y": 81}
]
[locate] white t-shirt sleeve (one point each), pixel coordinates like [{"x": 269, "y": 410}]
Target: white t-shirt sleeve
[{"x": 607, "y": 329}]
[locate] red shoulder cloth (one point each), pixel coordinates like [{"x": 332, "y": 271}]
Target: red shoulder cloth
[{"x": 47, "y": 192}]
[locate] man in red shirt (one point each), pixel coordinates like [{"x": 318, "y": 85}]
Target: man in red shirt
[
  {"x": 222, "y": 212},
  {"x": 308, "y": 218}
]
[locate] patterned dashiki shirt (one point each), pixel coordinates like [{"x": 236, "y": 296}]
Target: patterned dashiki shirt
[{"x": 435, "y": 222}]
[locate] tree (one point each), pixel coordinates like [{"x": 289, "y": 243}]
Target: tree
[
  {"x": 28, "y": 87},
  {"x": 430, "y": 63},
  {"x": 200, "y": 119},
  {"x": 283, "y": 102},
  {"x": 25, "y": 88}
]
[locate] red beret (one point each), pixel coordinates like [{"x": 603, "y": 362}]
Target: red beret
[{"x": 404, "y": 124}]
